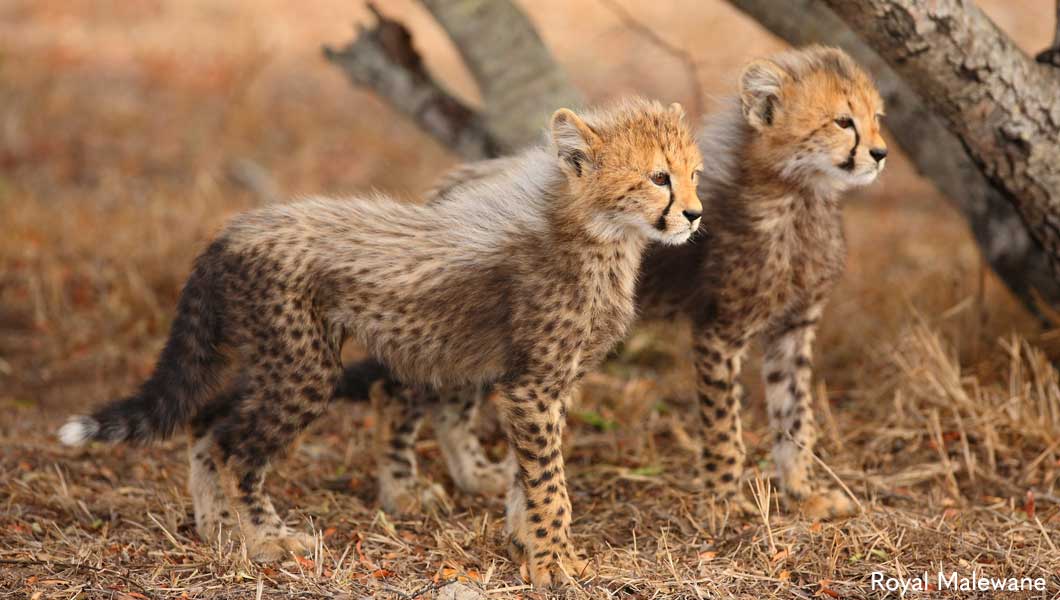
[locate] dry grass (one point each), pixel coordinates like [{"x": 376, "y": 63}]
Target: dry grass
[{"x": 121, "y": 126}]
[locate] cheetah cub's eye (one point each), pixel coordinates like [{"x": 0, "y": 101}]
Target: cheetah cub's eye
[
  {"x": 845, "y": 122},
  {"x": 660, "y": 178}
]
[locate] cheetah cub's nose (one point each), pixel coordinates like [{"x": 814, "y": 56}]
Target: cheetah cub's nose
[
  {"x": 878, "y": 154},
  {"x": 691, "y": 215}
]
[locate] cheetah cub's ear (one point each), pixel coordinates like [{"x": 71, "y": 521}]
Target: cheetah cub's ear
[
  {"x": 576, "y": 142},
  {"x": 678, "y": 110},
  {"x": 760, "y": 86}
]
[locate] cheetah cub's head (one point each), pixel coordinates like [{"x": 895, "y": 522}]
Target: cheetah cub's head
[
  {"x": 817, "y": 117},
  {"x": 633, "y": 169}
]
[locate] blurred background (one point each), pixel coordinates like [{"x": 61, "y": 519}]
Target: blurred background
[{"x": 131, "y": 129}]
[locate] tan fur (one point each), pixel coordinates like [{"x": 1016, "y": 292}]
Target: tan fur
[
  {"x": 522, "y": 281},
  {"x": 771, "y": 246}
]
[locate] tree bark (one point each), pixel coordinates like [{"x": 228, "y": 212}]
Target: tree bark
[
  {"x": 938, "y": 154},
  {"x": 519, "y": 80},
  {"x": 1003, "y": 106}
]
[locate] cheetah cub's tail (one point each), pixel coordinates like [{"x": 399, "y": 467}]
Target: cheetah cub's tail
[{"x": 187, "y": 372}]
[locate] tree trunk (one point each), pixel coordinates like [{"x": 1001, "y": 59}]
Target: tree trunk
[
  {"x": 1003, "y": 106},
  {"x": 520, "y": 82},
  {"x": 938, "y": 154}
]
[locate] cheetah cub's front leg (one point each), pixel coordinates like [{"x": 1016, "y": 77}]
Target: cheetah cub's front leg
[
  {"x": 539, "y": 509},
  {"x": 399, "y": 410},
  {"x": 718, "y": 357},
  {"x": 788, "y": 377}
]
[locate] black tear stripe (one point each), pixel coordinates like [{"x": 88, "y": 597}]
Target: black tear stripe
[
  {"x": 661, "y": 223},
  {"x": 848, "y": 164}
]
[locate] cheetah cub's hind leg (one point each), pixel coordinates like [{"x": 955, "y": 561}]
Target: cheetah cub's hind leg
[
  {"x": 399, "y": 412},
  {"x": 282, "y": 397},
  {"x": 214, "y": 519},
  {"x": 213, "y": 516},
  {"x": 788, "y": 375},
  {"x": 455, "y": 416}
]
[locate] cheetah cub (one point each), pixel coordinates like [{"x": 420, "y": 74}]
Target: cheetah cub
[
  {"x": 522, "y": 282},
  {"x": 804, "y": 129}
]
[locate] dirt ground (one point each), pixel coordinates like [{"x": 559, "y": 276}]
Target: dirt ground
[{"x": 131, "y": 129}]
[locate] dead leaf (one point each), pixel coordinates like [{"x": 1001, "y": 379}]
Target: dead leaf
[
  {"x": 361, "y": 556},
  {"x": 825, "y": 590},
  {"x": 305, "y": 562}
]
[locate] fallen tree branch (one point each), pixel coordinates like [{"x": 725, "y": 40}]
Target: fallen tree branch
[{"x": 384, "y": 59}]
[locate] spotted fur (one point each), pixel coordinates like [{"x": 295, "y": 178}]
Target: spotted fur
[
  {"x": 520, "y": 281},
  {"x": 804, "y": 128}
]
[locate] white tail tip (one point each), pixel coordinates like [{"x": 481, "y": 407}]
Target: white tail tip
[{"x": 78, "y": 430}]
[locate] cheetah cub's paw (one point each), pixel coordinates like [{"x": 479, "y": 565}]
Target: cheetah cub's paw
[
  {"x": 214, "y": 524},
  {"x": 280, "y": 547},
  {"x": 735, "y": 506},
  {"x": 414, "y": 497},
  {"x": 825, "y": 504},
  {"x": 492, "y": 479},
  {"x": 554, "y": 573}
]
